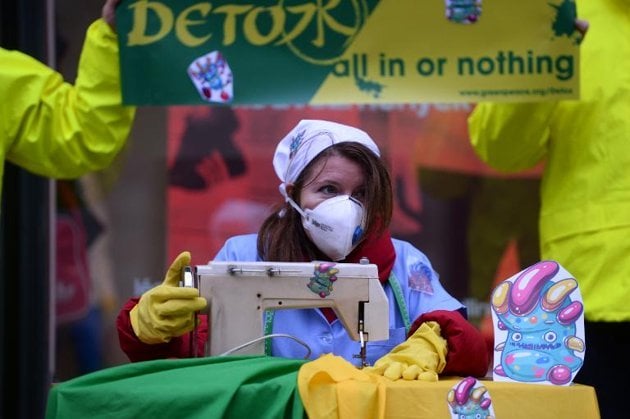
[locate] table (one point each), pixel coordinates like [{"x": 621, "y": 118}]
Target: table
[{"x": 268, "y": 387}]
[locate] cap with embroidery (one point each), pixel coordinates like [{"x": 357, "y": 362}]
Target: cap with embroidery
[{"x": 309, "y": 138}]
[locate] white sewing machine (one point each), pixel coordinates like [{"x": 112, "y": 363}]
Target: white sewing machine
[{"x": 239, "y": 292}]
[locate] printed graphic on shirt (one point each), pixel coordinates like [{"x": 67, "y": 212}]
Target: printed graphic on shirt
[{"x": 420, "y": 278}]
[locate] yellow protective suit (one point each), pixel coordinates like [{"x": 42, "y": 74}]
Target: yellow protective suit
[
  {"x": 585, "y": 191},
  {"x": 55, "y": 129}
]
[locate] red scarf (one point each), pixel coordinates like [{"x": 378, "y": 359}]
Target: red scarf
[{"x": 379, "y": 250}]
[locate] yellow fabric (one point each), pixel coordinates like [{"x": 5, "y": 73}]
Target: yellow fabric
[
  {"x": 585, "y": 192},
  {"x": 56, "y": 129},
  {"x": 331, "y": 387},
  {"x": 421, "y": 357},
  {"x": 167, "y": 310}
]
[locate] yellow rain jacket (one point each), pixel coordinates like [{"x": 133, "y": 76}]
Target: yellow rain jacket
[
  {"x": 54, "y": 129},
  {"x": 585, "y": 193}
]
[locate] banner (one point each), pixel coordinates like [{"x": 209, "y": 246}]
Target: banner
[{"x": 246, "y": 52}]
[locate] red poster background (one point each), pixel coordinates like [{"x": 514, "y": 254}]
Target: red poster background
[{"x": 475, "y": 224}]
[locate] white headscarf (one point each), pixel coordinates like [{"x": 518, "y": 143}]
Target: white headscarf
[{"x": 309, "y": 138}]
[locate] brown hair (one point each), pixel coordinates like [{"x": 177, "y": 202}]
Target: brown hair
[{"x": 282, "y": 238}]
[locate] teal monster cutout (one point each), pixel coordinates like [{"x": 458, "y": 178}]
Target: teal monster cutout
[
  {"x": 321, "y": 282},
  {"x": 468, "y": 399},
  {"x": 564, "y": 21},
  {"x": 541, "y": 315}
]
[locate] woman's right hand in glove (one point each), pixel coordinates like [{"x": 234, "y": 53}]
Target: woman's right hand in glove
[{"x": 167, "y": 310}]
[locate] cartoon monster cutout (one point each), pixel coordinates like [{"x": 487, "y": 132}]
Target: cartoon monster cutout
[
  {"x": 321, "y": 282},
  {"x": 541, "y": 320},
  {"x": 463, "y": 11},
  {"x": 468, "y": 399},
  {"x": 212, "y": 76}
]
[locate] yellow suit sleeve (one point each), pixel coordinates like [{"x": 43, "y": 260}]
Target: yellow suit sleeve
[
  {"x": 56, "y": 129},
  {"x": 511, "y": 137}
]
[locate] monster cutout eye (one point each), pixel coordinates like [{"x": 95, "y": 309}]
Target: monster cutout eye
[
  {"x": 550, "y": 337},
  {"x": 516, "y": 337}
]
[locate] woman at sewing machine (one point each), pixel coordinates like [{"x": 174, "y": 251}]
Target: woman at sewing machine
[{"x": 337, "y": 206}]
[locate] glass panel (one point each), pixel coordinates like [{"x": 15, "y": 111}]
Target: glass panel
[{"x": 190, "y": 177}]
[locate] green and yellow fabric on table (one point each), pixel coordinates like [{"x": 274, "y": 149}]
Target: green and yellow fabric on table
[
  {"x": 269, "y": 387},
  {"x": 262, "y": 52}
]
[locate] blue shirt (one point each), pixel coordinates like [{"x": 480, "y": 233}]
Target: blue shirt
[{"x": 421, "y": 292}]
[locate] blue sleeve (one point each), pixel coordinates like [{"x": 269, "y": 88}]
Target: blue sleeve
[
  {"x": 420, "y": 283},
  {"x": 239, "y": 248}
]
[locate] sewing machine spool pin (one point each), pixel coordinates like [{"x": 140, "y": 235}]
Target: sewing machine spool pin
[{"x": 189, "y": 280}]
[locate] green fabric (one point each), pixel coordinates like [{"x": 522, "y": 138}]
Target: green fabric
[{"x": 226, "y": 387}]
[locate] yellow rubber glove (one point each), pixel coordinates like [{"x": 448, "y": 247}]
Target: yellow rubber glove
[
  {"x": 421, "y": 357},
  {"x": 167, "y": 310}
]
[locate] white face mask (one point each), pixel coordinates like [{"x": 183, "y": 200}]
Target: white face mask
[{"x": 335, "y": 225}]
